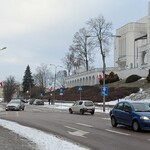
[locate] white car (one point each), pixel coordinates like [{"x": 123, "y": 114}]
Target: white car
[
  {"x": 83, "y": 106},
  {"x": 16, "y": 104}
]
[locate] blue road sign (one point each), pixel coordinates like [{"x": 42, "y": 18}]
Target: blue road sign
[
  {"x": 104, "y": 90},
  {"x": 61, "y": 92},
  {"x": 80, "y": 88}
]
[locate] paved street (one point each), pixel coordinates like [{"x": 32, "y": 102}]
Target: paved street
[
  {"x": 93, "y": 131},
  {"x": 12, "y": 141}
]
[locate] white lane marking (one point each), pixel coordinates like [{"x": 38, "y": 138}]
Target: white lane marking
[
  {"x": 78, "y": 132},
  {"x": 113, "y": 131},
  {"x": 86, "y": 125},
  {"x": 106, "y": 118}
]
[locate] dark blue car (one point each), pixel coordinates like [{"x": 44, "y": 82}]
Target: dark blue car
[{"x": 134, "y": 114}]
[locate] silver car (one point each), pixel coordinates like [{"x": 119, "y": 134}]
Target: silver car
[
  {"x": 83, "y": 106},
  {"x": 15, "y": 104}
]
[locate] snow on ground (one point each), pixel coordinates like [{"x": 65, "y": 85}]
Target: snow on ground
[{"x": 43, "y": 140}]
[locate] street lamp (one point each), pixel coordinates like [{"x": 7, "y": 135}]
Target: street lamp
[
  {"x": 3, "y": 48},
  {"x": 85, "y": 46},
  {"x": 56, "y": 66},
  {"x": 104, "y": 67}
]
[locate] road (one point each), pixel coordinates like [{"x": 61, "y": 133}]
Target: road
[{"x": 94, "y": 131}]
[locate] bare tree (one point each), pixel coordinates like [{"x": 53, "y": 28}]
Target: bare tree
[
  {"x": 9, "y": 88},
  {"x": 60, "y": 78},
  {"x": 71, "y": 61},
  {"x": 43, "y": 77},
  {"x": 83, "y": 48},
  {"x": 101, "y": 30},
  {"x": 67, "y": 61}
]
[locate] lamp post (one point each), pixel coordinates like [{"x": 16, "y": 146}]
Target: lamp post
[
  {"x": 85, "y": 46},
  {"x": 3, "y": 48},
  {"x": 55, "y": 77}
]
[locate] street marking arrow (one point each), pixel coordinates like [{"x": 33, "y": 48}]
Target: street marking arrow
[{"x": 78, "y": 132}]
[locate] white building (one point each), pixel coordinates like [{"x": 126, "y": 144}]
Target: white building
[
  {"x": 131, "y": 54},
  {"x": 132, "y": 47}
]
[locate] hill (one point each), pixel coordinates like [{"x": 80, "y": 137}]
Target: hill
[{"x": 116, "y": 90}]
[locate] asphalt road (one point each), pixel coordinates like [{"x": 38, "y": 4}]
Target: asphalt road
[{"x": 94, "y": 131}]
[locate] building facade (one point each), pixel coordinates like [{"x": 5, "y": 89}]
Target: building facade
[
  {"x": 131, "y": 54},
  {"x": 132, "y": 48}
]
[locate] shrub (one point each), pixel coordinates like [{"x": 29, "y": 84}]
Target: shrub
[
  {"x": 132, "y": 78},
  {"x": 110, "y": 78},
  {"x": 148, "y": 77}
]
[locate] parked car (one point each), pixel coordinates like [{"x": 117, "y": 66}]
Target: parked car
[
  {"x": 38, "y": 102},
  {"x": 24, "y": 100},
  {"x": 31, "y": 101},
  {"x": 133, "y": 114},
  {"x": 15, "y": 104},
  {"x": 83, "y": 106}
]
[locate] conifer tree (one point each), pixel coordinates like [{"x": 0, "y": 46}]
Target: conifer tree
[{"x": 28, "y": 81}]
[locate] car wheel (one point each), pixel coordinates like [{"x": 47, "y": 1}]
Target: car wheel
[
  {"x": 113, "y": 122},
  {"x": 70, "y": 110},
  {"x": 92, "y": 113},
  {"x": 82, "y": 111},
  {"x": 135, "y": 126}
]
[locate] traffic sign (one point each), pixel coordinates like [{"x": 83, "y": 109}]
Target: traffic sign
[
  {"x": 61, "y": 92},
  {"x": 80, "y": 88},
  {"x": 104, "y": 90}
]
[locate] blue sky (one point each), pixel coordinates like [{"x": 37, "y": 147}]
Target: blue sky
[{"x": 37, "y": 32}]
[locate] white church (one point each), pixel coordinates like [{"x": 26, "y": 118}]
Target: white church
[{"x": 131, "y": 54}]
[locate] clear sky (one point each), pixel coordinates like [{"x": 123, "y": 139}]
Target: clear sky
[{"x": 41, "y": 31}]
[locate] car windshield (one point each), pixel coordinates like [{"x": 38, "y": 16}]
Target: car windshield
[
  {"x": 141, "y": 107},
  {"x": 14, "y": 101},
  {"x": 88, "y": 103}
]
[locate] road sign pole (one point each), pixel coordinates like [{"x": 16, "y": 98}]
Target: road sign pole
[{"x": 80, "y": 95}]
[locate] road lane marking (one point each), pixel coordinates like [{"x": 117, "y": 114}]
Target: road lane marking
[
  {"x": 78, "y": 132},
  {"x": 117, "y": 132},
  {"x": 86, "y": 125},
  {"x": 106, "y": 118}
]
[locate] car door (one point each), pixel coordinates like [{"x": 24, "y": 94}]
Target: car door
[
  {"x": 75, "y": 107},
  {"x": 118, "y": 112},
  {"x": 127, "y": 114}
]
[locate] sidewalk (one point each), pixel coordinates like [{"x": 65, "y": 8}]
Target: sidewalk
[{"x": 12, "y": 141}]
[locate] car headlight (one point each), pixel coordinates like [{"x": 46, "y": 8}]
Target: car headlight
[{"x": 144, "y": 118}]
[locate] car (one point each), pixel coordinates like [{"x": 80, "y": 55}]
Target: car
[
  {"x": 38, "y": 102},
  {"x": 82, "y": 106},
  {"x": 24, "y": 100},
  {"x": 15, "y": 104},
  {"x": 31, "y": 101},
  {"x": 134, "y": 114}
]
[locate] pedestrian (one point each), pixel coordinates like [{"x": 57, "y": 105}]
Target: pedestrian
[{"x": 49, "y": 100}]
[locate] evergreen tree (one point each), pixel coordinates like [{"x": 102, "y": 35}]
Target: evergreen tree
[{"x": 28, "y": 81}]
